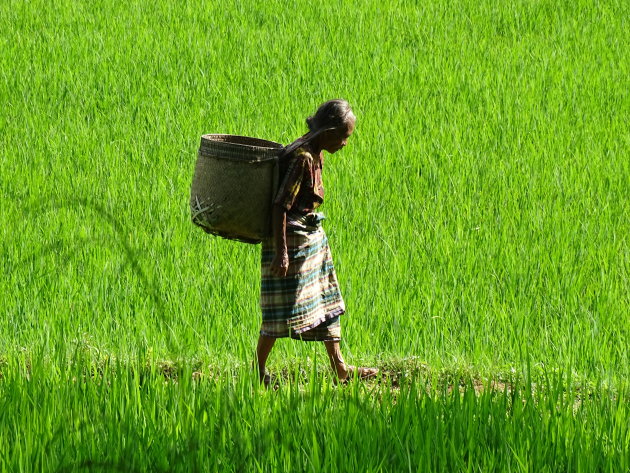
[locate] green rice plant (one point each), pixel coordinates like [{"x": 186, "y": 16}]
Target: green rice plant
[
  {"x": 488, "y": 166},
  {"x": 132, "y": 418}
]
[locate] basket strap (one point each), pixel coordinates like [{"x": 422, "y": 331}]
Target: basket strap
[
  {"x": 302, "y": 140},
  {"x": 288, "y": 149}
]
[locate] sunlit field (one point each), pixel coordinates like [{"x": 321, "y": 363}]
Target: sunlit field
[{"x": 479, "y": 220}]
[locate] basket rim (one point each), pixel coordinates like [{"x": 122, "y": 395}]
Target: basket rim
[{"x": 262, "y": 144}]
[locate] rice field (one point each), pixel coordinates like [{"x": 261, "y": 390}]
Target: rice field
[{"x": 478, "y": 218}]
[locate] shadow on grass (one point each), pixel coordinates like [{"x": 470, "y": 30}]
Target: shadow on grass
[{"x": 64, "y": 251}]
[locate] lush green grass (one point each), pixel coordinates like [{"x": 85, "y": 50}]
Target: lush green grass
[
  {"x": 478, "y": 218},
  {"x": 112, "y": 417}
]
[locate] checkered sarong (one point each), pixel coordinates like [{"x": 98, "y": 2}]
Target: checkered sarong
[{"x": 307, "y": 303}]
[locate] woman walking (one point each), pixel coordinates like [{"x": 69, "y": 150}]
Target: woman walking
[{"x": 300, "y": 296}]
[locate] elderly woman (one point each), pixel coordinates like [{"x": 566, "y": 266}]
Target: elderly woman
[{"x": 300, "y": 295}]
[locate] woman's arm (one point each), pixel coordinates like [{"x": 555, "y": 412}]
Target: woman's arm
[
  {"x": 280, "y": 263},
  {"x": 284, "y": 200}
]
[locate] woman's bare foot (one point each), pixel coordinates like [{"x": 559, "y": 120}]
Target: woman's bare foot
[
  {"x": 347, "y": 372},
  {"x": 265, "y": 379},
  {"x": 343, "y": 372},
  {"x": 361, "y": 372},
  {"x": 270, "y": 382}
]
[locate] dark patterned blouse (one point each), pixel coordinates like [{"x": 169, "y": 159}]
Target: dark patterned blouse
[{"x": 301, "y": 190}]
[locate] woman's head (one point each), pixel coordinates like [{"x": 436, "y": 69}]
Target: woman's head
[{"x": 333, "y": 123}]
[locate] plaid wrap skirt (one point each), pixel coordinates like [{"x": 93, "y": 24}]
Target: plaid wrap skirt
[{"x": 307, "y": 303}]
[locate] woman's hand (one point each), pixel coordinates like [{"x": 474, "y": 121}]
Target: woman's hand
[{"x": 280, "y": 263}]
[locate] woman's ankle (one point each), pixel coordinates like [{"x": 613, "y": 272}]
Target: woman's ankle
[{"x": 340, "y": 370}]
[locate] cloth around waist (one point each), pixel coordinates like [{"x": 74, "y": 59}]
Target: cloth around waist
[{"x": 310, "y": 222}]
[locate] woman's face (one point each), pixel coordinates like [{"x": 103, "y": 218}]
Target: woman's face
[{"x": 334, "y": 140}]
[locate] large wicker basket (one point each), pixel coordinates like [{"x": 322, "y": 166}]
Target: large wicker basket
[{"x": 233, "y": 186}]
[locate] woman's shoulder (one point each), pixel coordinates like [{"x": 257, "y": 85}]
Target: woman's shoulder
[
  {"x": 302, "y": 156},
  {"x": 303, "y": 152}
]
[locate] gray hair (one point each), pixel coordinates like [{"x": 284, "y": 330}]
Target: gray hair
[{"x": 332, "y": 114}]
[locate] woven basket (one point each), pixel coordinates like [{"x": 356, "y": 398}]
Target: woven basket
[{"x": 233, "y": 186}]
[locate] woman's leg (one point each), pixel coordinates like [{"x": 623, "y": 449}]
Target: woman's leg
[
  {"x": 336, "y": 359},
  {"x": 265, "y": 344},
  {"x": 343, "y": 371}
]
